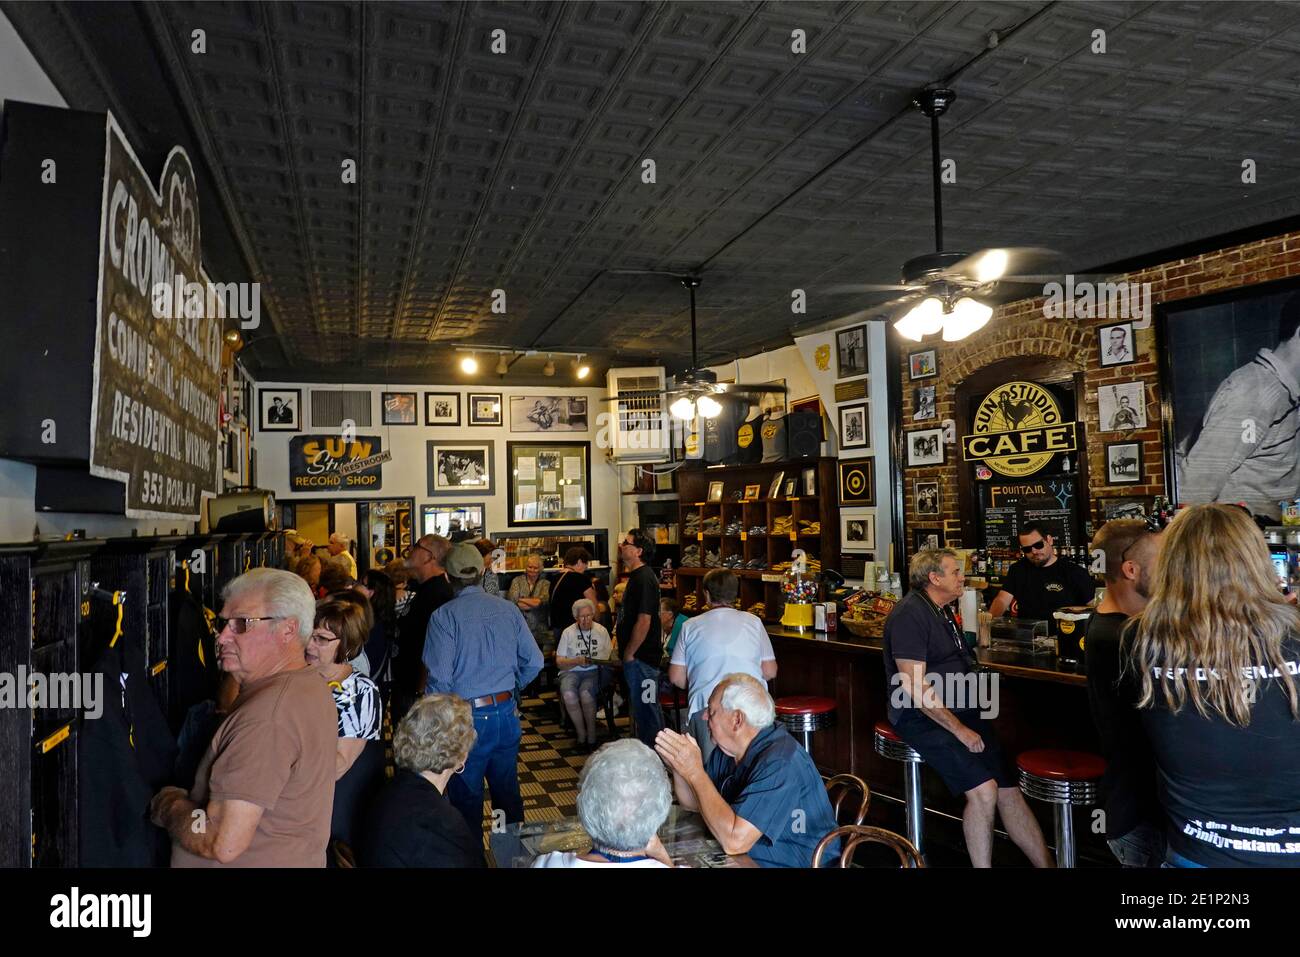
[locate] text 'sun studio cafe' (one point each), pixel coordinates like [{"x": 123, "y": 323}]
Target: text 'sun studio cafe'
[{"x": 651, "y": 435}]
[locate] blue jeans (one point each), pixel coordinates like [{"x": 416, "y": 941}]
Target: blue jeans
[
  {"x": 495, "y": 755},
  {"x": 643, "y": 682},
  {"x": 1174, "y": 859},
  {"x": 1144, "y": 846}
]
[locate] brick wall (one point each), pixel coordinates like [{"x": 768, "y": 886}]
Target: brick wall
[{"x": 1020, "y": 329}]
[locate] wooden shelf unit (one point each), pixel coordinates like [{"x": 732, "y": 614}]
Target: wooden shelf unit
[{"x": 693, "y": 486}]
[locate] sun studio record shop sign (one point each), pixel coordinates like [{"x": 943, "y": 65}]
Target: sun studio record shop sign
[{"x": 158, "y": 344}]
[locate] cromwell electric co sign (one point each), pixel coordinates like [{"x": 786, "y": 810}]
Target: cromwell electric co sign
[{"x": 1017, "y": 430}]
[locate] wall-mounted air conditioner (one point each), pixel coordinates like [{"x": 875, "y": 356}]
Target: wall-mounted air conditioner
[{"x": 638, "y": 421}]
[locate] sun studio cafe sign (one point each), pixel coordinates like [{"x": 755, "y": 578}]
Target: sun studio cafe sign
[
  {"x": 1017, "y": 430},
  {"x": 153, "y": 423}
]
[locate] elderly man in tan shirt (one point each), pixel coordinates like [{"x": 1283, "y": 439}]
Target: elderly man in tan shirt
[{"x": 265, "y": 788}]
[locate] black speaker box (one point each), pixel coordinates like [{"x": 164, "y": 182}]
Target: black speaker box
[{"x": 803, "y": 432}]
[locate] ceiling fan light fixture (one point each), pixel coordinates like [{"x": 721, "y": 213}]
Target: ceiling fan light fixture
[
  {"x": 923, "y": 319},
  {"x": 683, "y": 408},
  {"x": 967, "y": 316},
  {"x": 992, "y": 265},
  {"x": 708, "y": 407}
]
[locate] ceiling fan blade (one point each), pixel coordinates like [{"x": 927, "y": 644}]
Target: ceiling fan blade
[
  {"x": 732, "y": 388},
  {"x": 847, "y": 289},
  {"x": 1019, "y": 260}
]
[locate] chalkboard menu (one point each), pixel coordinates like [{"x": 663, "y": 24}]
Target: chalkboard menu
[{"x": 1006, "y": 507}]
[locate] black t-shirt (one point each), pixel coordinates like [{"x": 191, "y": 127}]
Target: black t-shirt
[
  {"x": 1040, "y": 591},
  {"x": 641, "y": 598},
  {"x": 568, "y": 588},
  {"x": 411, "y": 825},
  {"x": 1129, "y": 787},
  {"x": 427, "y": 598},
  {"x": 916, "y": 629},
  {"x": 1232, "y": 795}
]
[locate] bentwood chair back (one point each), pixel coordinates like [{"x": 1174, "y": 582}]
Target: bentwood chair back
[
  {"x": 854, "y": 790},
  {"x": 854, "y": 834}
]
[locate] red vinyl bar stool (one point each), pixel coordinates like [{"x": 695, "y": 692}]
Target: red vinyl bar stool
[
  {"x": 1062, "y": 779},
  {"x": 890, "y": 745},
  {"x": 674, "y": 700},
  {"x": 803, "y": 714}
]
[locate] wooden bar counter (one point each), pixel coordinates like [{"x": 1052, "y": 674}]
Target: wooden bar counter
[{"x": 1042, "y": 703}]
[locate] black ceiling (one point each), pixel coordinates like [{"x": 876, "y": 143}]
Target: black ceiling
[{"x": 775, "y": 170}]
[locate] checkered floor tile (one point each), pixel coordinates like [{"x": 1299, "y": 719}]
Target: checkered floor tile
[{"x": 549, "y": 760}]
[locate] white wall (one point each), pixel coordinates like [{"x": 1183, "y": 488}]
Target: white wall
[
  {"x": 21, "y": 78},
  {"x": 877, "y": 394},
  {"x": 405, "y": 476}
]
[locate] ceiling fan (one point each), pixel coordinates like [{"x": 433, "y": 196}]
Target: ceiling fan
[
  {"x": 950, "y": 291},
  {"x": 697, "y": 390}
]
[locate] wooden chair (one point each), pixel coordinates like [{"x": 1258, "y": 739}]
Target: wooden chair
[
  {"x": 855, "y": 834},
  {"x": 840, "y": 787}
]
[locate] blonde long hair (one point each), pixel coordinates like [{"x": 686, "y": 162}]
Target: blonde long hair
[{"x": 1214, "y": 606}]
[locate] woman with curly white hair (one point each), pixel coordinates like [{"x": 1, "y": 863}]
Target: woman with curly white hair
[
  {"x": 411, "y": 823},
  {"x": 623, "y": 799}
]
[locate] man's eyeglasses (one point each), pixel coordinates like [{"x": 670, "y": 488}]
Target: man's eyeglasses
[
  {"x": 239, "y": 626},
  {"x": 1033, "y": 546},
  {"x": 411, "y": 550}
]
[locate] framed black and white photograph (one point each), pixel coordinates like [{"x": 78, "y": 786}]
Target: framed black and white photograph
[
  {"x": 1121, "y": 407},
  {"x": 775, "y": 488},
  {"x": 1115, "y": 344},
  {"x": 459, "y": 522},
  {"x": 851, "y": 350},
  {"x": 923, "y": 364},
  {"x": 810, "y": 481},
  {"x": 855, "y": 426},
  {"x": 548, "y": 413},
  {"x": 1227, "y": 391},
  {"x": 923, "y": 538},
  {"x": 1123, "y": 463},
  {"x": 927, "y": 497},
  {"x": 791, "y": 488},
  {"x": 857, "y": 531},
  {"x": 924, "y": 406},
  {"x": 858, "y": 482},
  {"x": 924, "y": 447},
  {"x": 484, "y": 408},
  {"x": 279, "y": 410},
  {"x": 397, "y": 408},
  {"x": 549, "y": 483},
  {"x": 1125, "y": 506},
  {"x": 442, "y": 408},
  {"x": 715, "y": 491},
  {"x": 460, "y": 468}
]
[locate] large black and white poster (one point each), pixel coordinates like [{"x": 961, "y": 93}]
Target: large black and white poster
[
  {"x": 153, "y": 422},
  {"x": 1233, "y": 372}
]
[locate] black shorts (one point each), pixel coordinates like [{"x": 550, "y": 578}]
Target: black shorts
[{"x": 960, "y": 768}]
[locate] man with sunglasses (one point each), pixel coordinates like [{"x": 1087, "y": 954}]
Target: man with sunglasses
[
  {"x": 264, "y": 790},
  {"x": 1042, "y": 581},
  {"x": 1134, "y": 821},
  {"x": 430, "y": 590}
]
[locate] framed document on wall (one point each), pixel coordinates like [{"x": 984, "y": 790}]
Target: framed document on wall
[{"x": 549, "y": 483}]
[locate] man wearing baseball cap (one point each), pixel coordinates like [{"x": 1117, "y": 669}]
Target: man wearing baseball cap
[{"x": 479, "y": 648}]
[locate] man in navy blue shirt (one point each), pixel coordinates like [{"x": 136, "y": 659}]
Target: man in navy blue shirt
[
  {"x": 479, "y": 648},
  {"x": 760, "y": 793}
]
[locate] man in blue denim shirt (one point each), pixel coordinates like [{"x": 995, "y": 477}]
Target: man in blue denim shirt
[{"x": 479, "y": 648}]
